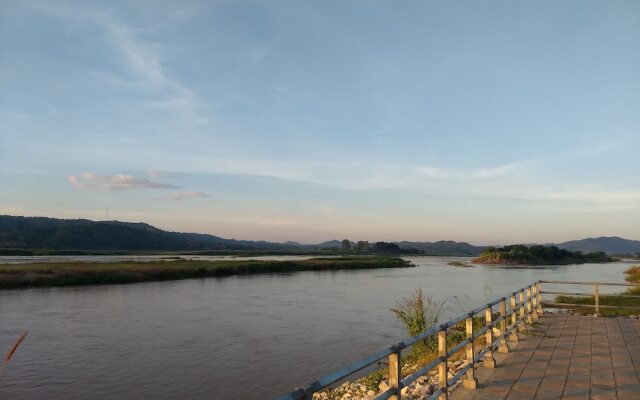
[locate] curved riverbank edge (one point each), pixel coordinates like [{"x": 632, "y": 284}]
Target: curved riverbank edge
[{"x": 22, "y": 276}]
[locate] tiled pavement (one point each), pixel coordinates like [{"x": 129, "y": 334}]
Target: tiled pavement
[{"x": 566, "y": 357}]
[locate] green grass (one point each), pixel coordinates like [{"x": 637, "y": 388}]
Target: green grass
[
  {"x": 13, "y": 276},
  {"x": 633, "y": 275}
]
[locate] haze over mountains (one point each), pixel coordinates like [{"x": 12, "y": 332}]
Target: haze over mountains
[{"x": 18, "y": 232}]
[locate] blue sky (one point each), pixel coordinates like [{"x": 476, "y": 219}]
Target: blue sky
[{"x": 489, "y": 122}]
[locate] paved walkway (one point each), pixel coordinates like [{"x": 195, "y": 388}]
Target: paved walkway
[{"x": 566, "y": 357}]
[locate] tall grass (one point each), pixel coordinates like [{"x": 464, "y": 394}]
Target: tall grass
[{"x": 417, "y": 315}]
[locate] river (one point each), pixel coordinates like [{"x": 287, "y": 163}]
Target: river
[{"x": 249, "y": 337}]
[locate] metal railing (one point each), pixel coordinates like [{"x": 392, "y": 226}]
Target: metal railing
[
  {"x": 524, "y": 308},
  {"x": 597, "y": 296}
]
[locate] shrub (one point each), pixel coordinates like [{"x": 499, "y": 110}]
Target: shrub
[{"x": 419, "y": 314}]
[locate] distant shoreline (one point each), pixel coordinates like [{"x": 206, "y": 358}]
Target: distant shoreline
[{"x": 23, "y": 276}]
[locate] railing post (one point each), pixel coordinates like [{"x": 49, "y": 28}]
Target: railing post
[
  {"x": 442, "y": 367},
  {"x": 489, "y": 361},
  {"x": 395, "y": 374},
  {"x": 523, "y": 325},
  {"x": 514, "y": 320},
  {"x": 470, "y": 382},
  {"x": 529, "y": 318},
  {"x": 596, "y": 289},
  {"x": 504, "y": 346},
  {"x": 539, "y": 291},
  {"x": 534, "y": 302}
]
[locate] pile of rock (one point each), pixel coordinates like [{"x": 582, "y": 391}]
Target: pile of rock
[{"x": 421, "y": 388}]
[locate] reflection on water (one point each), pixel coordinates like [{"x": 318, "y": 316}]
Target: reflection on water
[{"x": 249, "y": 337}]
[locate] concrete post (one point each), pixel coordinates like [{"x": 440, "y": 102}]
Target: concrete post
[
  {"x": 489, "y": 361},
  {"x": 596, "y": 289},
  {"x": 442, "y": 367},
  {"x": 534, "y": 302},
  {"x": 529, "y": 318},
  {"x": 395, "y": 374},
  {"x": 523, "y": 327},
  {"x": 504, "y": 346},
  {"x": 514, "y": 320},
  {"x": 539, "y": 291},
  {"x": 470, "y": 381}
]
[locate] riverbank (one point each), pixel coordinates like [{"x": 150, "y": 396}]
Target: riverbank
[
  {"x": 15, "y": 276},
  {"x": 620, "y": 300}
]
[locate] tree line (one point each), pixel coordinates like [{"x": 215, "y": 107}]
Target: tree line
[{"x": 363, "y": 246}]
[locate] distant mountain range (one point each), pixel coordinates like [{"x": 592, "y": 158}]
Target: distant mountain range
[
  {"x": 85, "y": 235},
  {"x": 611, "y": 245}
]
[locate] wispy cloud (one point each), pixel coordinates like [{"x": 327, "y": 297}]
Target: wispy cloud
[
  {"x": 184, "y": 195},
  {"x": 115, "y": 182},
  {"x": 139, "y": 56},
  {"x": 145, "y": 61}
]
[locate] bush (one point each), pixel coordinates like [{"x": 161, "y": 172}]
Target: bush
[{"x": 418, "y": 315}]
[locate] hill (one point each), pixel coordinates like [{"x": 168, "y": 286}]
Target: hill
[
  {"x": 35, "y": 233},
  {"x": 611, "y": 245},
  {"x": 87, "y": 235}
]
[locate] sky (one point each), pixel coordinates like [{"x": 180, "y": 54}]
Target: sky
[{"x": 489, "y": 122}]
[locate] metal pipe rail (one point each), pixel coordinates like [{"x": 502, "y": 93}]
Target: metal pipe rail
[
  {"x": 596, "y": 295},
  {"x": 524, "y": 308}
]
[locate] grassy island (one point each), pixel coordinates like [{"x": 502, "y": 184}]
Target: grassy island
[
  {"x": 13, "y": 276},
  {"x": 538, "y": 255}
]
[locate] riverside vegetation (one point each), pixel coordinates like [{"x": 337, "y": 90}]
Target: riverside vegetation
[
  {"x": 14, "y": 276},
  {"x": 632, "y": 275},
  {"x": 538, "y": 255}
]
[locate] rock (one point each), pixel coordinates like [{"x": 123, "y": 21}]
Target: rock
[{"x": 383, "y": 386}]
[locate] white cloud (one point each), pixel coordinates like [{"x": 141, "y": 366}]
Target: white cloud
[
  {"x": 184, "y": 195},
  {"x": 114, "y": 182}
]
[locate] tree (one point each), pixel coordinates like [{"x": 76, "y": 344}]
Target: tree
[
  {"x": 345, "y": 245},
  {"x": 384, "y": 247},
  {"x": 362, "y": 246}
]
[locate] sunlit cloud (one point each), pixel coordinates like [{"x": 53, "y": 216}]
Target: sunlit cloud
[
  {"x": 184, "y": 195},
  {"x": 115, "y": 182},
  {"x": 154, "y": 173}
]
